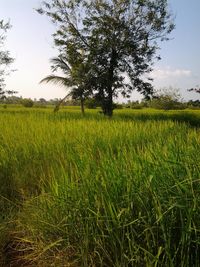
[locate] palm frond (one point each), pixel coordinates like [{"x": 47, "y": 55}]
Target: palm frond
[
  {"x": 58, "y": 80},
  {"x": 61, "y": 64}
]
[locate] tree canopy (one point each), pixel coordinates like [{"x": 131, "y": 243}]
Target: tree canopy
[
  {"x": 195, "y": 89},
  {"x": 119, "y": 40},
  {"x": 5, "y": 59}
]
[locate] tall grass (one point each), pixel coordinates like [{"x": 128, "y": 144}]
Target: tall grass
[{"x": 92, "y": 191}]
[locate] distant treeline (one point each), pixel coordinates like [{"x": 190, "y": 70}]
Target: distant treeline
[{"x": 163, "y": 102}]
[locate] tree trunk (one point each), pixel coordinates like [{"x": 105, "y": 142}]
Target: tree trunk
[
  {"x": 107, "y": 104},
  {"x": 82, "y": 106},
  {"x": 108, "y": 101}
]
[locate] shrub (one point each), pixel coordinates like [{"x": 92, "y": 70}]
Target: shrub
[
  {"x": 166, "y": 103},
  {"x": 167, "y": 99},
  {"x": 27, "y": 102},
  {"x": 91, "y": 103},
  {"x": 136, "y": 106},
  {"x": 117, "y": 106}
]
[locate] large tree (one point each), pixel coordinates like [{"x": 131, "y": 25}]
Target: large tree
[
  {"x": 5, "y": 59},
  {"x": 119, "y": 37}
]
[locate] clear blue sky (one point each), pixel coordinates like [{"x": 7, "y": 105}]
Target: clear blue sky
[{"x": 31, "y": 44}]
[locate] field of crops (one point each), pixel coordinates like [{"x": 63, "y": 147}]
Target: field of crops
[{"x": 92, "y": 191}]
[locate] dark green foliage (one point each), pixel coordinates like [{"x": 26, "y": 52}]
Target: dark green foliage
[
  {"x": 135, "y": 105},
  {"x": 5, "y": 59},
  {"x": 11, "y": 100},
  {"x": 117, "y": 106},
  {"x": 195, "y": 89},
  {"x": 91, "y": 103},
  {"x": 166, "y": 103},
  {"x": 117, "y": 38},
  {"x": 28, "y": 103},
  {"x": 167, "y": 99},
  {"x": 194, "y": 104}
]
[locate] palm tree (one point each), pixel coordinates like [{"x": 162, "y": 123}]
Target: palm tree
[{"x": 74, "y": 79}]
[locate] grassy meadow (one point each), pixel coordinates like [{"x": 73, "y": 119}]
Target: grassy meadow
[{"x": 92, "y": 191}]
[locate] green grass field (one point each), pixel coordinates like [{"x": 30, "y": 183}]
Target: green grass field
[{"x": 92, "y": 191}]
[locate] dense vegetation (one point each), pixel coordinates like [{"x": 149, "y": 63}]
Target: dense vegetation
[{"x": 93, "y": 191}]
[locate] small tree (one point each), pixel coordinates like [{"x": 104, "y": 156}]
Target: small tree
[
  {"x": 5, "y": 60},
  {"x": 74, "y": 68}
]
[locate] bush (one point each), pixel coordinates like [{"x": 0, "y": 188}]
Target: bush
[
  {"x": 166, "y": 103},
  {"x": 117, "y": 106},
  {"x": 27, "y": 102},
  {"x": 167, "y": 99},
  {"x": 91, "y": 103},
  {"x": 136, "y": 106},
  {"x": 193, "y": 104}
]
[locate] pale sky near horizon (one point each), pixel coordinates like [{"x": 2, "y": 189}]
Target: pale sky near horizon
[{"x": 31, "y": 44}]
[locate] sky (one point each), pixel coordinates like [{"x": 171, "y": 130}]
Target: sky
[{"x": 31, "y": 44}]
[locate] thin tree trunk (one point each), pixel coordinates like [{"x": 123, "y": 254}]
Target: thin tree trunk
[
  {"x": 110, "y": 102},
  {"x": 82, "y": 106}
]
